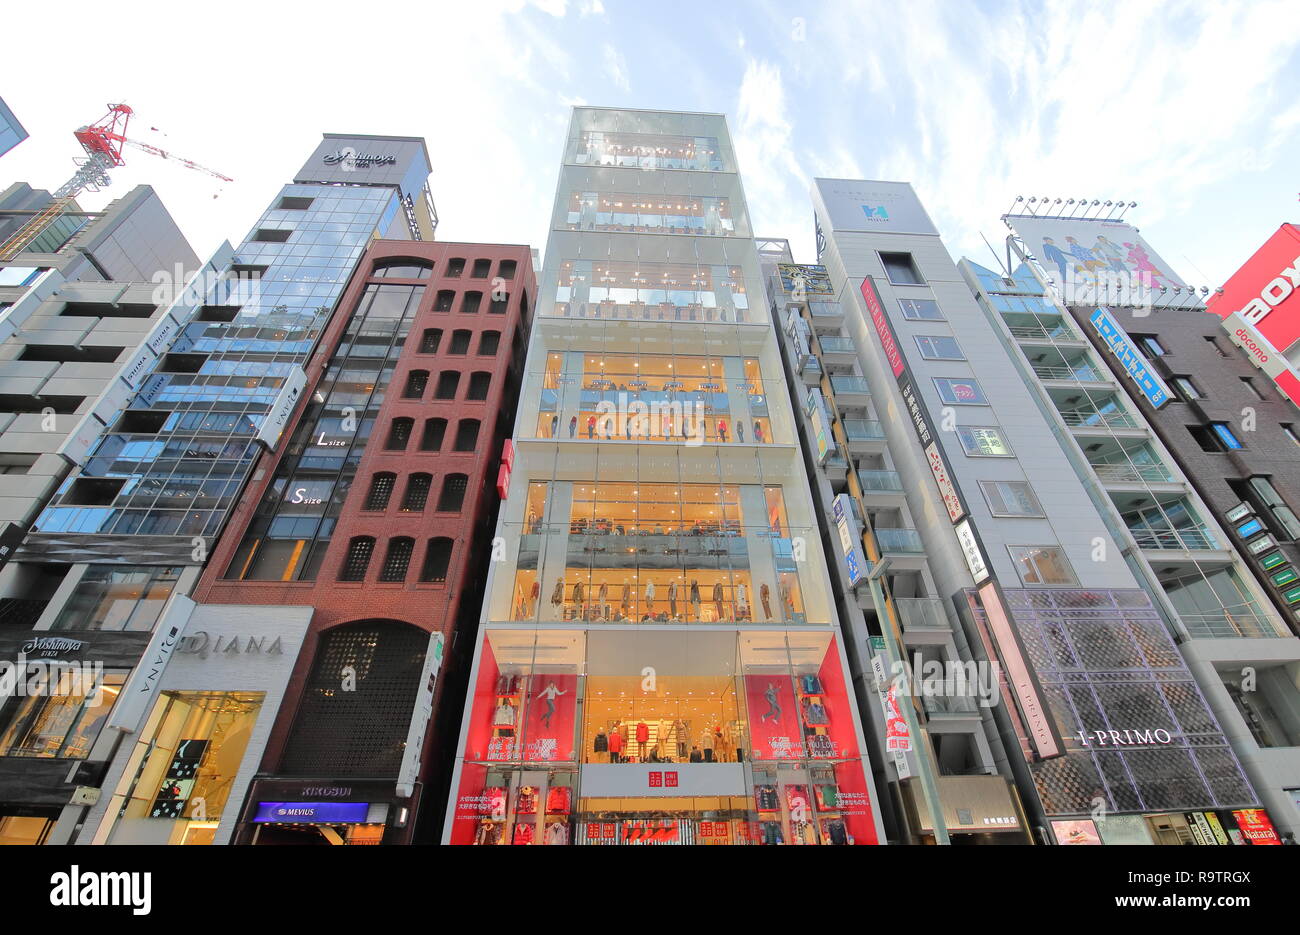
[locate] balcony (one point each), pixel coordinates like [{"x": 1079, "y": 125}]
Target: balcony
[
  {"x": 1082, "y": 373},
  {"x": 864, "y": 436},
  {"x": 838, "y": 350},
  {"x": 903, "y": 541},
  {"x": 882, "y": 487},
  {"x": 950, "y": 706},
  {"x": 1243, "y": 623},
  {"x": 826, "y": 316},
  {"x": 923, "y": 621},
  {"x": 1045, "y": 334},
  {"x": 1133, "y": 474},
  {"x": 850, "y": 390},
  {"x": 1093, "y": 419},
  {"x": 1183, "y": 539}
]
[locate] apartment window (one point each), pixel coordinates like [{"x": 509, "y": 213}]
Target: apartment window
[
  {"x": 437, "y": 559},
  {"x": 294, "y": 203},
  {"x": 960, "y": 391},
  {"x": 1268, "y": 495},
  {"x": 430, "y": 340},
  {"x": 1187, "y": 389},
  {"x": 1214, "y": 343},
  {"x": 481, "y": 269},
  {"x": 900, "y": 269},
  {"x": 488, "y": 342},
  {"x": 402, "y": 269},
  {"x": 459, "y": 342},
  {"x": 938, "y": 347},
  {"x": 448, "y": 380},
  {"x": 921, "y": 310},
  {"x": 479, "y": 381},
  {"x": 360, "y": 548},
  {"x": 272, "y": 235},
  {"x": 434, "y": 430},
  {"x": 399, "y": 434},
  {"x": 452, "y": 497},
  {"x": 1288, "y": 428},
  {"x": 498, "y": 305},
  {"x": 506, "y": 270},
  {"x": 444, "y": 300},
  {"x": 398, "y": 559},
  {"x": 1252, "y": 388},
  {"x": 469, "y": 305},
  {"x": 63, "y": 724},
  {"x": 1204, "y": 438},
  {"x": 381, "y": 488},
  {"x": 1011, "y": 498},
  {"x": 455, "y": 266},
  {"x": 1224, "y": 433},
  {"x": 466, "y": 435},
  {"x": 417, "y": 493},
  {"x": 983, "y": 441},
  {"x": 1150, "y": 344},
  {"x": 417, "y": 381},
  {"x": 1042, "y": 565}
]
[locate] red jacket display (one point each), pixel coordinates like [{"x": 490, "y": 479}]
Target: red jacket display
[{"x": 615, "y": 742}]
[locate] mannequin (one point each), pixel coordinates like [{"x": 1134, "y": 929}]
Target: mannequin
[
  {"x": 740, "y": 431},
  {"x": 722, "y": 430},
  {"x": 573, "y": 426},
  {"x": 642, "y": 738},
  {"x": 615, "y": 745},
  {"x": 672, "y": 600},
  {"x": 764, "y": 595},
  {"x": 627, "y": 599},
  {"x": 550, "y": 693},
  {"x": 707, "y": 741},
  {"x": 555, "y": 425},
  {"x": 577, "y": 597},
  {"x": 773, "y": 704},
  {"x": 591, "y": 426},
  {"x": 695, "y": 597},
  {"x": 787, "y": 599},
  {"x": 758, "y": 431},
  {"x": 650, "y": 597},
  {"x": 557, "y": 598},
  {"x": 533, "y": 593},
  {"x": 742, "y": 601},
  {"x": 602, "y": 598},
  {"x": 717, "y": 598}
]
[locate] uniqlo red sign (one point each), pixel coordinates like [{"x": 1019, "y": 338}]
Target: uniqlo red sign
[
  {"x": 608, "y": 830},
  {"x": 706, "y": 829},
  {"x": 656, "y": 780},
  {"x": 670, "y": 780},
  {"x": 593, "y": 832}
]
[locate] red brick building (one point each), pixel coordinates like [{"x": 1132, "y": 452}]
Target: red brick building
[{"x": 378, "y": 513}]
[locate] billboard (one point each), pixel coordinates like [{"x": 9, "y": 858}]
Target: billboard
[
  {"x": 1085, "y": 254},
  {"x": 867, "y": 206},
  {"x": 1265, "y": 292},
  {"x": 1133, "y": 361}
]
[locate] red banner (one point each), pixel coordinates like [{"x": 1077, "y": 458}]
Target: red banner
[
  {"x": 550, "y": 719},
  {"x": 774, "y": 729}
]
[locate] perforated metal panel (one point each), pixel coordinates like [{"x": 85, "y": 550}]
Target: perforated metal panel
[{"x": 358, "y": 733}]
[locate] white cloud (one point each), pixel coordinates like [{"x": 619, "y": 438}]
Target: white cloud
[
  {"x": 775, "y": 186},
  {"x": 616, "y": 67}
]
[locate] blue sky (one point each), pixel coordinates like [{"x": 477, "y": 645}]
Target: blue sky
[{"x": 1187, "y": 108}]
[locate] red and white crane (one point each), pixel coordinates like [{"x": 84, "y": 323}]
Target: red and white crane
[{"x": 103, "y": 141}]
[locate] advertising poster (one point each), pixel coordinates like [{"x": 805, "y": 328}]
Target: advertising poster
[
  {"x": 854, "y": 801},
  {"x": 1076, "y": 831},
  {"x": 1076, "y": 250},
  {"x": 1255, "y": 826},
  {"x": 550, "y": 718},
  {"x": 774, "y": 728},
  {"x": 1265, "y": 293},
  {"x": 837, "y": 706}
]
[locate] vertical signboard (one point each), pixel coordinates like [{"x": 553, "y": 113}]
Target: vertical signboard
[
  {"x": 1134, "y": 363},
  {"x": 850, "y": 538},
  {"x": 409, "y": 772},
  {"x": 273, "y": 424},
  {"x": 143, "y": 682},
  {"x": 1019, "y": 674}
]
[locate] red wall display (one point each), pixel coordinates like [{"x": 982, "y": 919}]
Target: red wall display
[
  {"x": 550, "y": 719},
  {"x": 775, "y": 732}
]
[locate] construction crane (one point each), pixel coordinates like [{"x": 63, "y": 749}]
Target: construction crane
[{"x": 103, "y": 141}]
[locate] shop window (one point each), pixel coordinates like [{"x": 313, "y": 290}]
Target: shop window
[
  {"x": 455, "y": 267},
  {"x": 452, "y": 497},
  {"x": 444, "y": 300},
  {"x": 402, "y": 269},
  {"x": 506, "y": 270},
  {"x": 466, "y": 435},
  {"x": 381, "y": 489},
  {"x": 488, "y": 342},
  {"x": 499, "y": 304},
  {"x": 437, "y": 558},
  {"x": 417, "y": 381},
  {"x": 459, "y": 341},
  {"x": 430, "y": 340},
  {"x": 24, "y": 829},
  {"x": 397, "y": 559},
  {"x": 399, "y": 434},
  {"x": 479, "y": 382},
  {"x": 197, "y": 745},
  {"x": 448, "y": 381},
  {"x": 61, "y": 723},
  {"x": 417, "y": 493},
  {"x": 481, "y": 269},
  {"x": 900, "y": 269},
  {"x": 1042, "y": 565},
  {"x": 355, "y": 563},
  {"x": 469, "y": 305},
  {"x": 431, "y": 438}
]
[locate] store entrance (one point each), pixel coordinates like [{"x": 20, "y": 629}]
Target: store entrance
[
  {"x": 329, "y": 835},
  {"x": 691, "y": 719},
  {"x": 690, "y": 821}
]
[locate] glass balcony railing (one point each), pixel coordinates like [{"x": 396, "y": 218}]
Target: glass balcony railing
[
  {"x": 1133, "y": 473},
  {"x": 1178, "y": 540},
  {"x": 826, "y": 310},
  {"x": 898, "y": 540},
  {"x": 1092, "y": 418},
  {"x": 921, "y": 613},
  {"x": 880, "y": 481},
  {"x": 949, "y": 704},
  {"x": 863, "y": 430},
  {"x": 1043, "y": 333},
  {"x": 1080, "y": 374},
  {"x": 1242, "y": 623},
  {"x": 850, "y": 384},
  {"x": 836, "y": 345}
]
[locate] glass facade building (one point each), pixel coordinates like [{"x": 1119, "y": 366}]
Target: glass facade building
[{"x": 659, "y": 660}]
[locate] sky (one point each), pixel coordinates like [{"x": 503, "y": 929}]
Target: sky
[{"x": 1187, "y": 108}]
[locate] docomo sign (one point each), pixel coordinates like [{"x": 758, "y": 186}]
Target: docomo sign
[{"x": 1267, "y": 280}]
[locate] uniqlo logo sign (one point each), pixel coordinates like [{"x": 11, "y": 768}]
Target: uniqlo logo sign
[
  {"x": 656, "y": 780},
  {"x": 670, "y": 780},
  {"x": 1263, "y": 292}
]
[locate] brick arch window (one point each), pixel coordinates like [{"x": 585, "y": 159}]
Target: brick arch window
[
  {"x": 417, "y": 381},
  {"x": 455, "y": 266},
  {"x": 469, "y": 305},
  {"x": 397, "y": 559},
  {"x": 479, "y": 382},
  {"x": 466, "y": 435},
  {"x": 402, "y": 268},
  {"x": 452, "y": 497},
  {"x": 448, "y": 381},
  {"x": 460, "y": 341},
  {"x": 430, "y": 340},
  {"x": 355, "y": 563},
  {"x": 381, "y": 489},
  {"x": 444, "y": 300},
  {"x": 434, "y": 431},
  {"x": 399, "y": 434},
  {"x": 437, "y": 559},
  {"x": 488, "y": 342},
  {"x": 417, "y": 493}
]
